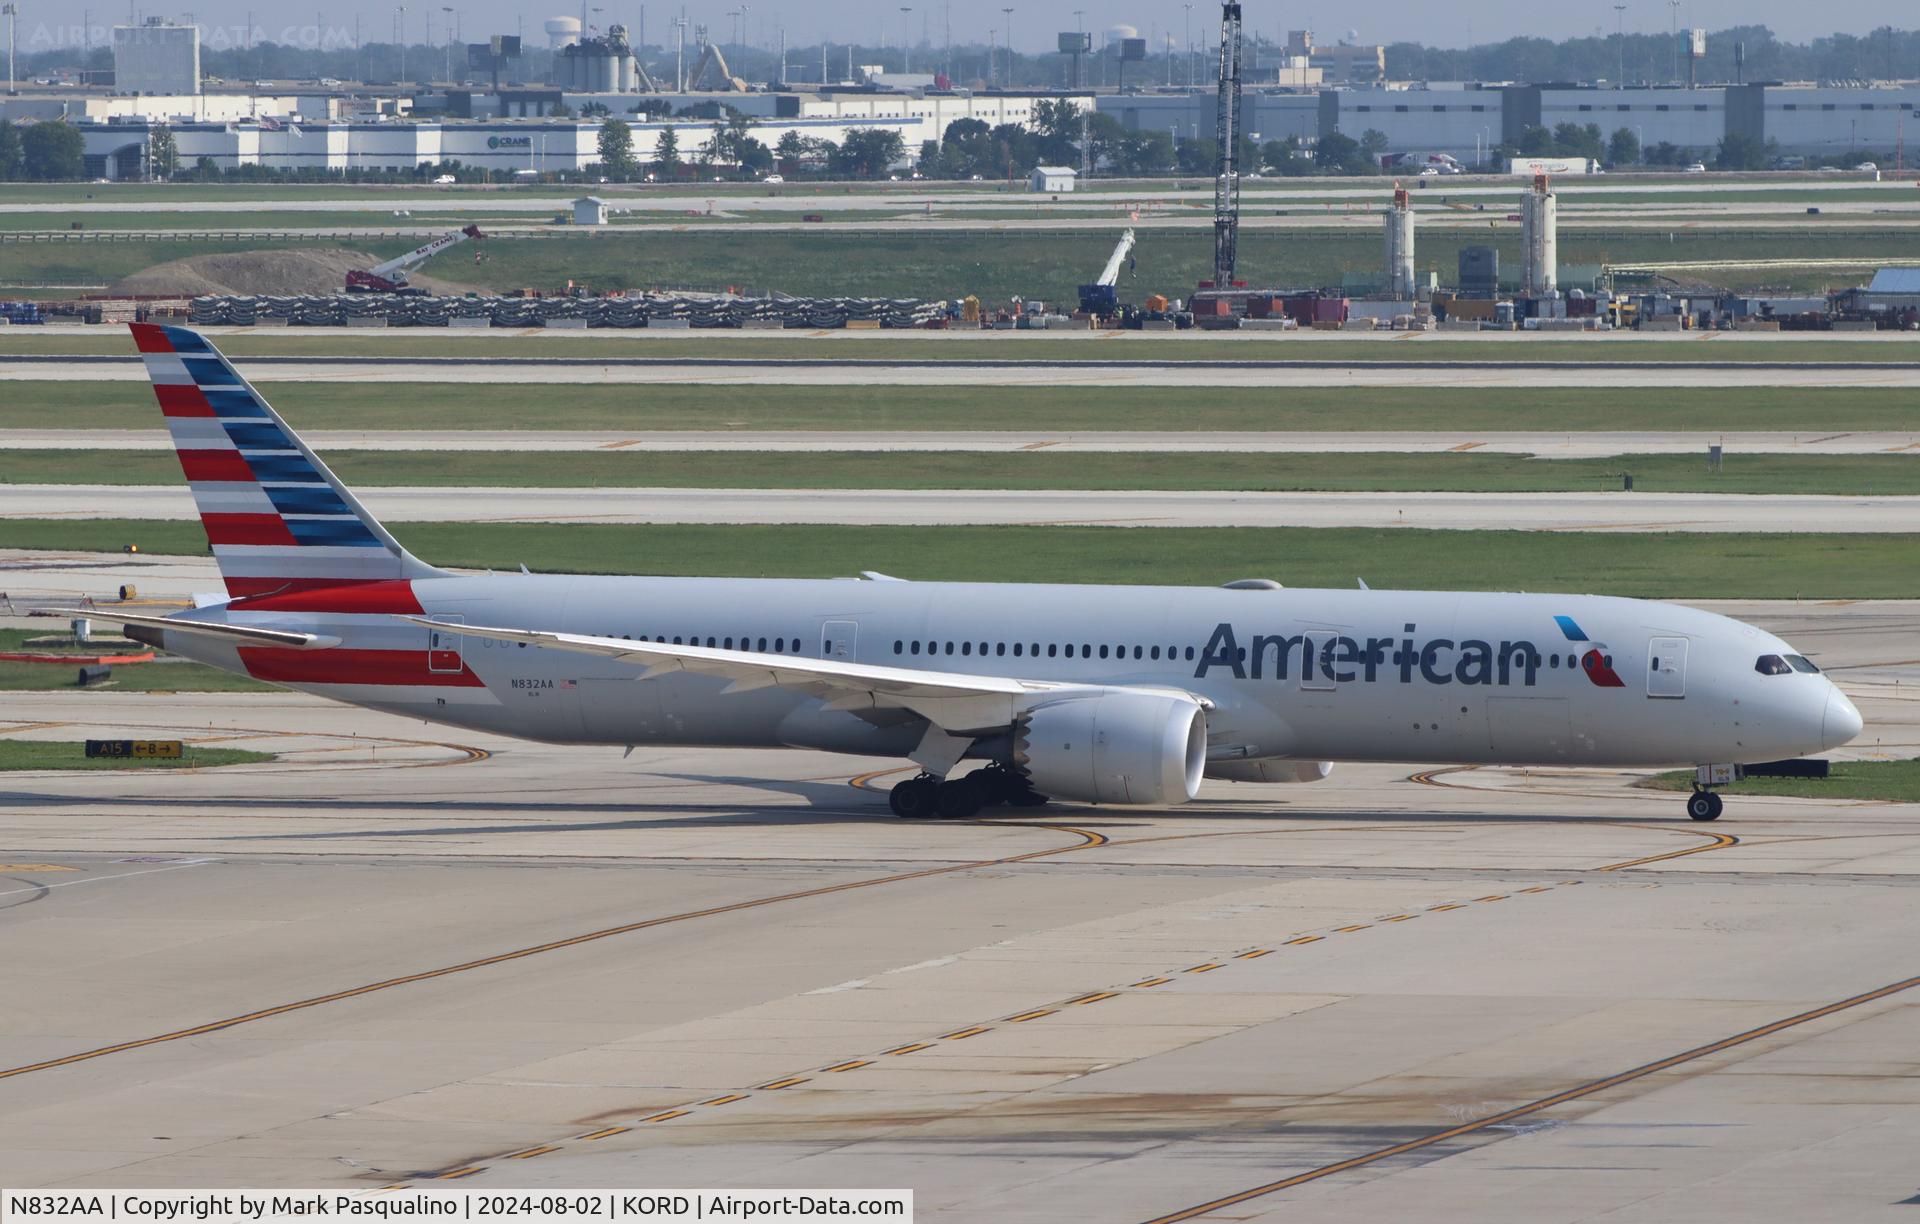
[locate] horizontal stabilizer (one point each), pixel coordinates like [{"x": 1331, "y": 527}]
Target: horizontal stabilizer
[{"x": 249, "y": 635}]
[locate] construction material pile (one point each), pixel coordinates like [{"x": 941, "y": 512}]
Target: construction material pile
[{"x": 651, "y": 310}]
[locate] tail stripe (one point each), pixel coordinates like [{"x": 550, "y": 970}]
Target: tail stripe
[{"x": 276, "y": 518}]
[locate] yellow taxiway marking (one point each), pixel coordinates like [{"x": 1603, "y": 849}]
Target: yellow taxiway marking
[
  {"x": 788, "y": 1082},
  {"x": 469, "y": 1171},
  {"x": 1494, "y": 897},
  {"x": 1401, "y": 918},
  {"x": 530, "y": 1153},
  {"x": 1083, "y": 1000},
  {"x": 602, "y": 1134},
  {"x": 908, "y": 1049},
  {"x": 1023, "y": 1017},
  {"x": 853, "y": 1065},
  {"x": 1464, "y": 446},
  {"x": 1256, "y": 954},
  {"x": 668, "y": 1115},
  {"x": 1358, "y": 926},
  {"x": 1154, "y": 982},
  {"x": 31, "y": 867},
  {"x": 963, "y": 1034},
  {"x": 1305, "y": 939},
  {"x": 1209, "y": 967}
]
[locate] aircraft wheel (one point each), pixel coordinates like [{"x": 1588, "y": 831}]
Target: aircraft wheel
[
  {"x": 958, "y": 799},
  {"x": 1704, "y": 805},
  {"x": 913, "y": 799}
]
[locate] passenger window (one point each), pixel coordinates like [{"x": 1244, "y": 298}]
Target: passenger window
[
  {"x": 966, "y": 648},
  {"x": 763, "y": 646},
  {"x": 1137, "y": 652},
  {"x": 999, "y": 649},
  {"x": 1553, "y": 660},
  {"x": 1086, "y": 651},
  {"x": 1016, "y": 650},
  {"x": 899, "y": 647},
  {"x": 729, "y": 643},
  {"x": 1772, "y": 665},
  {"x": 1156, "y": 652},
  {"x": 949, "y": 648},
  {"x": 1103, "y": 652},
  {"x": 1189, "y": 654},
  {"x": 1804, "y": 665},
  {"x": 1053, "y": 650}
]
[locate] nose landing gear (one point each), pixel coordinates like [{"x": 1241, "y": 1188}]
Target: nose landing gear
[{"x": 1704, "y": 805}]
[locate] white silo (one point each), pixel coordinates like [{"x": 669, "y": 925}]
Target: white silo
[
  {"x": 1540, "y": 240},
  {"x": 562, "y": 32},
  {"x": 1399, "y": 233}
]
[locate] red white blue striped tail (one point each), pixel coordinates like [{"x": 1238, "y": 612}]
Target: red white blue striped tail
[{"x": 278, "y": 520}]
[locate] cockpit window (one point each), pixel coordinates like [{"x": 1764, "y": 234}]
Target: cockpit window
[
  {"x": 1804, "y": 665},
  {"x": 1772, "y": 665}
]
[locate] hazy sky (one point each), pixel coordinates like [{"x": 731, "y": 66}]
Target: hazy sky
[{"x": 1436, "y": 22}]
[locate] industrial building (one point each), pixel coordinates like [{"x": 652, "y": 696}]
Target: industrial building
[
  {"x": 1466, "y": 120},
  {"x": 117, "y": 150},
  {"x": 156, "y": 57}
]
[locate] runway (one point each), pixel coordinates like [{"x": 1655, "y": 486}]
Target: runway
[
  {"x": 384, "y": 960},
  {"x": 1360, "y": 441},
  {"x": 1276, "y": 372},
  {"x": 1632, "y": 512}
]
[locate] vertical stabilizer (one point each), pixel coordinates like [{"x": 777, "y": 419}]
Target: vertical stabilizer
[{"x": 277, "y": 519}]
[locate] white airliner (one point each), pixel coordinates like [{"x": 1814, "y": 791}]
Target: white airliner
[{"x": 1101, "y": 694}]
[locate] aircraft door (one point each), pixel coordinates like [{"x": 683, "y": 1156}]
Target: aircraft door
[
  {"x": 1667, "y": 667},
  {"x": 840, "y": 639},
  {"x": 443, "y": 647}
]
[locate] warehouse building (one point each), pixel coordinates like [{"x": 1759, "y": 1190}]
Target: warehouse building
[
  {"x": 156, "y": 57},
  {"x": 117, "y": 150}
]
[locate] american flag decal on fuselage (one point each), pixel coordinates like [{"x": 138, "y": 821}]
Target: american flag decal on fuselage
[{"x": 277, "y": 519}]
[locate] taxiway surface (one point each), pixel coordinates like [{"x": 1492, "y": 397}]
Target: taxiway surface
[
  {"x": 1556, "y": 445},
  {"x": 403, "y": 952},
  {"x": 1618, "y": 511}
]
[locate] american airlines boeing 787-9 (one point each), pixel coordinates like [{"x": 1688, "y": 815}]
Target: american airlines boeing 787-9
[{"x": 1101, "y": 694}]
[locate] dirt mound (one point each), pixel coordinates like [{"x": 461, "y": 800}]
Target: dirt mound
[{"x": 301, "y": 270}]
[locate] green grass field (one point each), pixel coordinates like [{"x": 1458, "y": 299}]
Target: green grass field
[
  {"x": 451, "y": 408},
  {"x": 165, "y": 674},
  {"x": 16, "y": 754},
  {"x": 999, "y": 262},
  {"x": 1677, "y": 566},
  {"x": 1886, "y": 475},
  {"x": 1891, "y": 781}
]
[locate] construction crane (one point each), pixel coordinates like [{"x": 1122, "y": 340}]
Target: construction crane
[
  {"x": 710, "y": 54},
  {"x": 1226, "y": 185},
  {"x": 1101, "y": 299},
  {"x": 391, "y": 276}
]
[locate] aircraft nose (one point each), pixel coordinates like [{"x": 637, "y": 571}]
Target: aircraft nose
[{"x": 1843, "y": 721}]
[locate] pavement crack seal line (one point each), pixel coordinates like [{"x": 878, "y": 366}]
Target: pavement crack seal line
[
  {"x": 1089, "y": 839},
  {"x": 915, "y": 1047},
  {"x": 1541, "y": 1105}
]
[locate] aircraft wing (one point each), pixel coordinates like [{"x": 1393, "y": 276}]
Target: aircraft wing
[
  {"x": 246, "y": 635},
  {"x": 956, "y": 702}
]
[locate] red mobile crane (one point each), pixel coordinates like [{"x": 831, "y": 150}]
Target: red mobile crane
[{"x": 391, "y": 276}]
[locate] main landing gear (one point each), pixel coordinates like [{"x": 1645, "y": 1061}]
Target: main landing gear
[
  {"x": 1703, "y": 805},
  {"x": 926, "y": 797}
]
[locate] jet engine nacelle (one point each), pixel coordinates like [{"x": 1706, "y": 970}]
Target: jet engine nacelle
[
  {"x": 1271, "y": 772},
  {"x": 1119, "y": 747}
]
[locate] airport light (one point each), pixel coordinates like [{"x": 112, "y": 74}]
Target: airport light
[
  {"x": 1620, "y": 36},
  {"x": 1008, "y": 82},
  {"x": 448, "y": 10},
  {"x": 12, "y": 12},
  {"x": 906, "y": 45}
]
